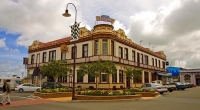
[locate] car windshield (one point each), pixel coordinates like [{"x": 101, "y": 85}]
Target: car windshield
[
  {"x": 18, "y": 82},
  {"x": 179, "y": 83},
  {"x": 156, "y": 85}
]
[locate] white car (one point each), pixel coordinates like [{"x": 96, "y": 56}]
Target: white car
[
  {"x": 27, "y": 87},
  {"x": 157, "y": 87}
]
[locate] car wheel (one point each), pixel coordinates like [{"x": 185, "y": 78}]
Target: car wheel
[
  {"x": 21, "y": 90},
  {"x": 183, "y": 89},
  {"x": 161, "y": 92},
  {"x": 170, "y": 90},
  {"x": 38, "y": 90}
]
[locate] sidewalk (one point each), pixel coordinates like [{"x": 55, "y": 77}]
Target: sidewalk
[{"x": 61, "y": 99}]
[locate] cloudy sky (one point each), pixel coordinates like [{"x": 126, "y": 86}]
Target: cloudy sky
[{"x": 169, "y": 25}]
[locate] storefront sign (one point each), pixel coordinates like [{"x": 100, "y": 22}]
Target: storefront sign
[
  {"x": 64, "y": 48},
  {"x": 25, "y": 61},
  {"x": 105, "y": 18}
]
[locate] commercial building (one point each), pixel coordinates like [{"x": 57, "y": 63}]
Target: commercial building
[
  {"x": 102, "y": 42},
  {"x": 191, "y": 76}
]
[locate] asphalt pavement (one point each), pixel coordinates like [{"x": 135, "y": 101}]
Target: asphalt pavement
[
  {"x": 15, "y": 95},
  {"x": 188, "y": 99}
]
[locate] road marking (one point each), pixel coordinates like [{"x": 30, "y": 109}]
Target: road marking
[{"x": 24, "y": 97}]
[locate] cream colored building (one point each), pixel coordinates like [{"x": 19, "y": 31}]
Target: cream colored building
[{"x": 102, "y": 42}]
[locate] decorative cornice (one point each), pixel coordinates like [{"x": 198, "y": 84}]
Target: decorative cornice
[{"x": 99, "y": 31}]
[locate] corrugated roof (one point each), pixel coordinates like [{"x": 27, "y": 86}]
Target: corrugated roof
[{"x": 55, "y": 41}]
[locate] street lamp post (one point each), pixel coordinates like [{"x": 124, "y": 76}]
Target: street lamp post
[{"x": 75, "y": 37}]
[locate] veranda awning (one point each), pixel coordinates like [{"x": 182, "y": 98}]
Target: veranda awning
[{"x": 164, "y": 74}]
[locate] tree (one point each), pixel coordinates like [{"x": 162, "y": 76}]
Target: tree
[
  {"x": 83, "y": 69},
  {"x": 55, "y": 69},
  {"x": 96, "y": 68},
  {"x": 137, "y": 74},
  {"x": 110, "y": 69},
  {"x": 129, "y": 73},
  {"x": 133, "y": 73}
]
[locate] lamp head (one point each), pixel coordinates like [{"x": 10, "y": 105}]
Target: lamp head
[{"x": 66, "y": 14}]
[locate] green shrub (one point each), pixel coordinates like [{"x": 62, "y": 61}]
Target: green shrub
[{"x": 105, "y": 92}]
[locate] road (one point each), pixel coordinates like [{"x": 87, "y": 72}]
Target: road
[
  {"x": 15, "y": 96},
  {"x": 188, "y": 99}
]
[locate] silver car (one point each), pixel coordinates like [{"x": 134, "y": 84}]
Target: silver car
[{"x": 157, "y": 87}]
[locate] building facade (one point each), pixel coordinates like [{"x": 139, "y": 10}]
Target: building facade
[
  {"x": 102, "y": 42},
  {"x": 191, "y": 76}
]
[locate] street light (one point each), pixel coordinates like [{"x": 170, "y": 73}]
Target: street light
[{"x": 74, "y": 36}]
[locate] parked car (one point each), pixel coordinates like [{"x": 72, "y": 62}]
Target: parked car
[
  {"x": 186, "y": 85},
  {"x": 170, "y": 87},
  {"x": 27, "y": 87},
  {"x": 157, "y": 87},
  {"x": 190, "y": 85},
  {"x": 50, "y": 85},
  {"x": 179, "y": 85}
]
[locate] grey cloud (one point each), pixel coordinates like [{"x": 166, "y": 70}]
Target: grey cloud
[
  {"x": 194, "y": 62},
  {"x": 9, "y": 68},
  {"x": 180, "y": 35},
  {"x": 184, "y": 19}
]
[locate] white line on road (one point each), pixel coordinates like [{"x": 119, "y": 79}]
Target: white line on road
[{"x": 23, "y": 97}]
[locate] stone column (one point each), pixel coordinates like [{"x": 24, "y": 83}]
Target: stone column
[
  {"x": 143, "y": 77},
  {"x": 193, "y": 79},
  {"x": 117, "y": 75},
  {"x": 150, "y": 78}
]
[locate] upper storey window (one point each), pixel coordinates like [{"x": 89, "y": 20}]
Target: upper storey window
[
  {"x": 96, "y": 47},
  {"x": 44, "y": 57},
  {"x": 163, "y": 65},
  {"x": 112, "y": 47},
  {"x": 32, "y": 58},
  {"x": 152, "y": 61},
  {"x": 105, "y": 47},
  {"x": 52, "y": 55},
  {"x": 141, "y": 60},
  {"x": 63, "y": 56},
  {"x": 74, "y": 51},
  {"x": 146, "y": 60},
  {"x": 133, "y": 55},
  {"x": 156, "y": 62},
  {"x": 126, "y": 53},
  {"x": 120, "y": 52},
  {"x": 85, "y": 50}
]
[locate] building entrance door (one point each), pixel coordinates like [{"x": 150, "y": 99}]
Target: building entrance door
[
  {"x": 198, "y": 81},
  {"x": 128, "y": 82}
]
